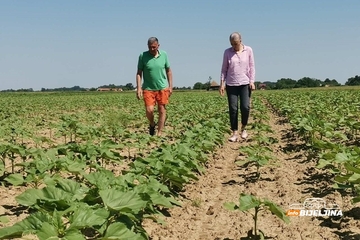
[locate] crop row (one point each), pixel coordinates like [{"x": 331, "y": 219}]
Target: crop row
[
  {"x": 329, "y": 123},
  {"x": 69, "y": 151}
]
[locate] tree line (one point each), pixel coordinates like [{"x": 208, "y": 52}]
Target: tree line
[
  {"x": 283, "y": 83},
  {"x": 288, "y": 83}
]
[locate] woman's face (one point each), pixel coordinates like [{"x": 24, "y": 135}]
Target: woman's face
[{"x": 236, "y": 44}]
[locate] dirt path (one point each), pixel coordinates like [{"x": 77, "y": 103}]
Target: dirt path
[{"x": 290, "y": 179}]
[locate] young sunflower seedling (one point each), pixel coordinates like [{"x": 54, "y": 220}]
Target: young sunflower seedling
[{"x": 248, "y": 202}]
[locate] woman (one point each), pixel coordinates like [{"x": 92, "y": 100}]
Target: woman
[{"x": 238, "y": 72}]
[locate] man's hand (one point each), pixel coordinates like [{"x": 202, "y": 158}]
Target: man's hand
[
  {"x": 139, "y": 94},
  {"x": 170, "y": 89},
  {"x": 252, "y": 86}
]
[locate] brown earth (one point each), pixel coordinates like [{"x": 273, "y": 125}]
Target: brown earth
[{"x": 290, "y": 179}]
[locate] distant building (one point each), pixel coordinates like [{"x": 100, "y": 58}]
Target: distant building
[
  {"x": 214, "y": 86},
  {"x": 262, "y": 86},
  {"x": 109, "y": 89}
]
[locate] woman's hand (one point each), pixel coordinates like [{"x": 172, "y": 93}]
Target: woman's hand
[
  {"x": 252, "y": 86},
  {"x": 222, "y": 90}
]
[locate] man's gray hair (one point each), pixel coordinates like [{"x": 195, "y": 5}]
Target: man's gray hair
[
  {"x": 235, "y": 36},
  {"x": 152, "y": 40}
]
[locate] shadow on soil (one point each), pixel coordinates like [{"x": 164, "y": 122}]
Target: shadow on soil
[
  {"x": 249, "y": 236},
  {"x": 314, "y": 179},
  {"x": 336, "y": 223},
  {"x": 248, "y": 178},
  {"x": 16, "y": 210},
  {"x": 318, "y": 182}
]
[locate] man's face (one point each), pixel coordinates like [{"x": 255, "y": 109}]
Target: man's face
[{"x": 153, "y": 47}]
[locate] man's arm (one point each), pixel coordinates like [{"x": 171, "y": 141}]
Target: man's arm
[
  {"x": 169, "y": 78},
  {"x": 138, "y": 84}
]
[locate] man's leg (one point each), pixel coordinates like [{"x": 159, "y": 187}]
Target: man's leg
[
  {"x": 150, "y": 115},
  {"x": 162, "y": 99},
  {"x": 162, "y": 117},
  {"x": 149, "y": 98}
]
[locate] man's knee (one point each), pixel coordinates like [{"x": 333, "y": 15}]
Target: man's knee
[
  {"x": 162, "y": 108},
  {"x": 149, "y": 109}
]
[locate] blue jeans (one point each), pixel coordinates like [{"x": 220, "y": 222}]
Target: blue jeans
[{"x": 234, "y": 93}]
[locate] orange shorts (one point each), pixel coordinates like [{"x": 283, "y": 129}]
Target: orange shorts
[{"x": 160, "y": 97}]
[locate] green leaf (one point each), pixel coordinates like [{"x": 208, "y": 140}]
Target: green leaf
[
  {"x": 4, "y": 219},
  {"x": 241, "y": 162},
  {"x": 355, "y": 178},
  {"x": 351, "y": 168},
  {"x": 76, "y": 167},
  {"x": 2, "y": 168},
  {"x": 29, "y": 197},
  {"x": 72, "y": 187},
  {"x": 356, "y": 199},
  {"x": 322, "y": 163},
  {"x": 15, "y": 179},
  {"x": 57, "y": 221},
  {"x": 248, "y": 201},
  {"x": 47, "y": 232},
  {"x": 85, "y": 216},
  {"x": 278, "y": 211},
  {"x": 308, "y": 128},
  {"x": 11, "y": 232},
  {"x": 29, "y": 224},
  {"x": 230, "y": 206},
  {"x": 119, "y": 231},
  {"x": 73, "y": 234},
  {"x": 158, "y": 199},
  {"x": 122, "y": 201},
  {"x": 342, "y": 178},
  {"x": 52, "y": 196},
  {"x": 341, "y": 157},
  {"x": 101, "y": 179},
  {"x": 341, "y": 186}
]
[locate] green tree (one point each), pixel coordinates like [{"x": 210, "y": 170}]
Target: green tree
[
  {"x": 129, "y": 86},
  {"x": 353, "y": 81},
  {"x": 285, "y": 83},
  {"x": 198, "y": 85},
  {"x": 308, "y": 82},
  {"x": 332, "y": 82}
]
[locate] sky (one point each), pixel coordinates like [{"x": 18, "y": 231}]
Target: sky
[{"x": 87, "y": 43}]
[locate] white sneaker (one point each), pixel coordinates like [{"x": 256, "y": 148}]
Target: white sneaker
[
  {"x": 244, "y": 134},
  {"x": 233, "y": 138}
]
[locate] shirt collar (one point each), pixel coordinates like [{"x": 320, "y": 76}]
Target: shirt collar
[
  {"x": 159, "y": 53},
  {"x": 244, "y": 48}
]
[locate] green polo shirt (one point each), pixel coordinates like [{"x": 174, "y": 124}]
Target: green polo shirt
[{"x": 153, "y": 69}]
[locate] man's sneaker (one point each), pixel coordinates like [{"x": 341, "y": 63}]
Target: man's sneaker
[
  {"x": 244, "y": 134},
  {"x": 233, "y": 138},
  {"x": 152, "y": 130}
]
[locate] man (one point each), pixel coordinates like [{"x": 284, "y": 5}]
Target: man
[{"x": 154, "y": 67}]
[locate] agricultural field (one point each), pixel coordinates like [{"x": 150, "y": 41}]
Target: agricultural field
[{"x": 82, "y": 166}]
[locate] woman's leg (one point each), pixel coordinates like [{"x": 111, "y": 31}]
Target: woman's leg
[
  {"x": 233, "y": 102},
  {"x": 245, "y": 94}
]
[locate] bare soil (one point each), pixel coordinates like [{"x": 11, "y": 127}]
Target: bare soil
[{"x": 290, "y": 179}]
